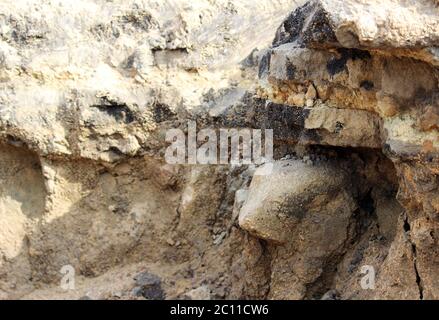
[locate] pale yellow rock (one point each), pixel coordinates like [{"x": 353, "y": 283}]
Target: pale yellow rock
[
  {"x": 311, "y": 93},
  {"x": 276, "y": 203},
  {"x": 298, "y": 99},
  {"x": 386, "y": 106},
  {"x": 344, "y": 127}
]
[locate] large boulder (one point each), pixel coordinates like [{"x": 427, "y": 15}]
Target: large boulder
[{"x": 294, "y": 192}]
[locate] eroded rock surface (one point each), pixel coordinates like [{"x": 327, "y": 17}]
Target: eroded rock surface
[
  {"x": 350, "y": 89},
  {"x": 278, "y": 203},
  {"x": 360, "y": 78}
]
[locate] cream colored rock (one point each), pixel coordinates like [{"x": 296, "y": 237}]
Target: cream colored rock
[
  {"x": 62, "y": 65},
  {"x": 88, "y": 90},
  {"x": 278, "y": 202},
  {"x": 311, "y": 93},
  {"x": 344, "y": 127},
  {"x": 200, "y": 293},
  {"x": 392, "y": 23}
]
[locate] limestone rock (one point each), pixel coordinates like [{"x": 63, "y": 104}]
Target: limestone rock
[
  {"x": 89, "y": 90},
  {"x": 374, "y": 67},
  {"x": 371, "y": 25},
  {"x": 277, "y": 203},
  {"x": 200, "y": 293}
]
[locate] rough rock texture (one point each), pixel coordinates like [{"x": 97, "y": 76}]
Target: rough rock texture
[
  {"x": 350, "y": 88},
  {"x": 277, "y": 203},
  {"x": 365, "y": 75}
]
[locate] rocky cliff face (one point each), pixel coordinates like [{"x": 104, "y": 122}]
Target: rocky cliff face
[
  {"x": 365, "y": 77},
  {"x": 90, "y": 89}
]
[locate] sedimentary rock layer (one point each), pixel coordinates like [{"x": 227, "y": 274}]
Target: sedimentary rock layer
[{"x": 349, "y": 88}]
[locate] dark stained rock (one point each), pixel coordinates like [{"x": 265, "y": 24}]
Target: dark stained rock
[{"x": 149, "y": 286}]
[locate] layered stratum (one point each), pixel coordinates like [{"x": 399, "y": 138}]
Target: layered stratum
[{"x": 90, "y": 89}]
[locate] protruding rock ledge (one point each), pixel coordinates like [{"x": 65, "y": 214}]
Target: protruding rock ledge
[{"x": 407, "y": 28}]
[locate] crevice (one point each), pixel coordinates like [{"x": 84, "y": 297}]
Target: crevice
[
  {"x": 266, "y": 255},
  {"x": 176, "y": 223},
  {"x": 407, "y": 229}
]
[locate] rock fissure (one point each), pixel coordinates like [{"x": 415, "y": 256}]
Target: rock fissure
[
  {"x": 407, "y": 229},
  {"x": 350, "y": 89}
]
